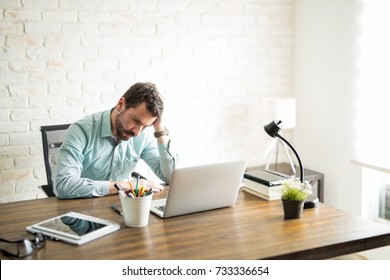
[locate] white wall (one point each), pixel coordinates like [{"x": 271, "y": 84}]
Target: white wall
[
  {"x": 324, "y": 74},
  {"x": 213, "y": 61}
]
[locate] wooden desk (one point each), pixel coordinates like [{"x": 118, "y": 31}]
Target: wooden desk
[{"x": 252, "y": 229}]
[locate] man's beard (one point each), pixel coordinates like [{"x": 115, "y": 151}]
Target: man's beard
[{"x": 120, "y": 131}]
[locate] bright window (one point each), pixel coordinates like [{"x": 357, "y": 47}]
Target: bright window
[{"x": 372, "y": 107}]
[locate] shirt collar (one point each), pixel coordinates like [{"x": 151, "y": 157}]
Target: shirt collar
[{"x": 106, "y": 124}]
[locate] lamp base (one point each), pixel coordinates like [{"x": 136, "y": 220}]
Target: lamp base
[{"x": 311, "y": 202}]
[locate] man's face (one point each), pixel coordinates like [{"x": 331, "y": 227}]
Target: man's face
[{"x": 132, "y": 121}]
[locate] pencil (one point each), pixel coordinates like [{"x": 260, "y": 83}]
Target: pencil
[
  {"x": 141, "y": 190},
  {"x": 136, "y": 186},
  {"x": 131, "y": 188}
]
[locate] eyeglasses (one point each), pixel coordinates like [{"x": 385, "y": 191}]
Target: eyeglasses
[{"x": 25, "y": 247}]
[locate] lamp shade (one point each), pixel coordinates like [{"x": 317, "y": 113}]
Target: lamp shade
[
  {"x": 280, "y": 108},
  {"x": 273, "y": 128}
]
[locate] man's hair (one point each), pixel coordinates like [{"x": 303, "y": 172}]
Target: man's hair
[{"x": 144, "y": 92}]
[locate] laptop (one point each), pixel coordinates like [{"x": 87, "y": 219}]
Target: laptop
[{"x": 201, "y": 188}]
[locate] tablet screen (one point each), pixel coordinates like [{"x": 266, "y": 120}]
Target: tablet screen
[{"x": 71, "y": 225}]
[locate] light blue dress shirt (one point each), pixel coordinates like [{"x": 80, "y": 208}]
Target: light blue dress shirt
[{"x": 90, "y": 157}]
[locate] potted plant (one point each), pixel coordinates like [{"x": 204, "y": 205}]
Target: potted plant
[{"x": 294, "y": 194}]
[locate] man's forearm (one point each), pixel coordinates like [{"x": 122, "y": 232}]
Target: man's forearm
[{"x": 70, "y": 187}]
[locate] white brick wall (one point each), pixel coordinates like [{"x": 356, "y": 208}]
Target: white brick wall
[{"x": 212, "y": 60}]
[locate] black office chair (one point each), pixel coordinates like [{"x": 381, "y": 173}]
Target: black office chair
[{"x": 52, "y": 138}]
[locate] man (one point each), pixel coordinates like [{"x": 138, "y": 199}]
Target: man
[{"x": 103, "y": 149}]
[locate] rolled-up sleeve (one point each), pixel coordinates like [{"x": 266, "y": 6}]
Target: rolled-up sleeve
[
  {"x": 161, "y": 159},
  {"x": 68, "y": 181}
]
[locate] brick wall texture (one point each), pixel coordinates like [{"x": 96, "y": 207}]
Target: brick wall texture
[{"x": 213, "y": 60}]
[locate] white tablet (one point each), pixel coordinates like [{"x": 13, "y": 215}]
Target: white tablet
[{"x": 74, "y": 228}]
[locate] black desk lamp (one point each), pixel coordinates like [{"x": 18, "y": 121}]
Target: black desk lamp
[{"x": 273, "y": 129}]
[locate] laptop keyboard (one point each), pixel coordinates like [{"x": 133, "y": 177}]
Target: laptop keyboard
[{"x": 161, "y": 208}]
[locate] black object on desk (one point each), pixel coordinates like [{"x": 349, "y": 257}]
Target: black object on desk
[
  {"x": 114, "y": 208},
  {"x": 312, "y": 201}
]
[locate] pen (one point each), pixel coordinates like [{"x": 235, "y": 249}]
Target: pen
[
  {"x": 149, "y": 191},
  {"x": 113, "y": 207},
  {"x": 120, "y": 190}
]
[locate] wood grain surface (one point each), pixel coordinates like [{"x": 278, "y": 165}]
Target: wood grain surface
[{"x": 252, "y": 229}]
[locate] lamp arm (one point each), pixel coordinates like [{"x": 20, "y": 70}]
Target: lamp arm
[{"x": 296, "y": 154}]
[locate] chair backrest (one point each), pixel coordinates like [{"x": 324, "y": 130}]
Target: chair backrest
[{"x": 52, "y": 138}]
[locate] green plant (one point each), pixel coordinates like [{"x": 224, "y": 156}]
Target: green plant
[{"x": 294, "y": 190}]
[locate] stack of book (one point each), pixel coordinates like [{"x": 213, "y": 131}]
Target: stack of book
[{"x": 263, "y": 184}]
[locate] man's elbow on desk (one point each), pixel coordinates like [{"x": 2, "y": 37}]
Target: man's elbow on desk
[{"x": 67, "y": 189}]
